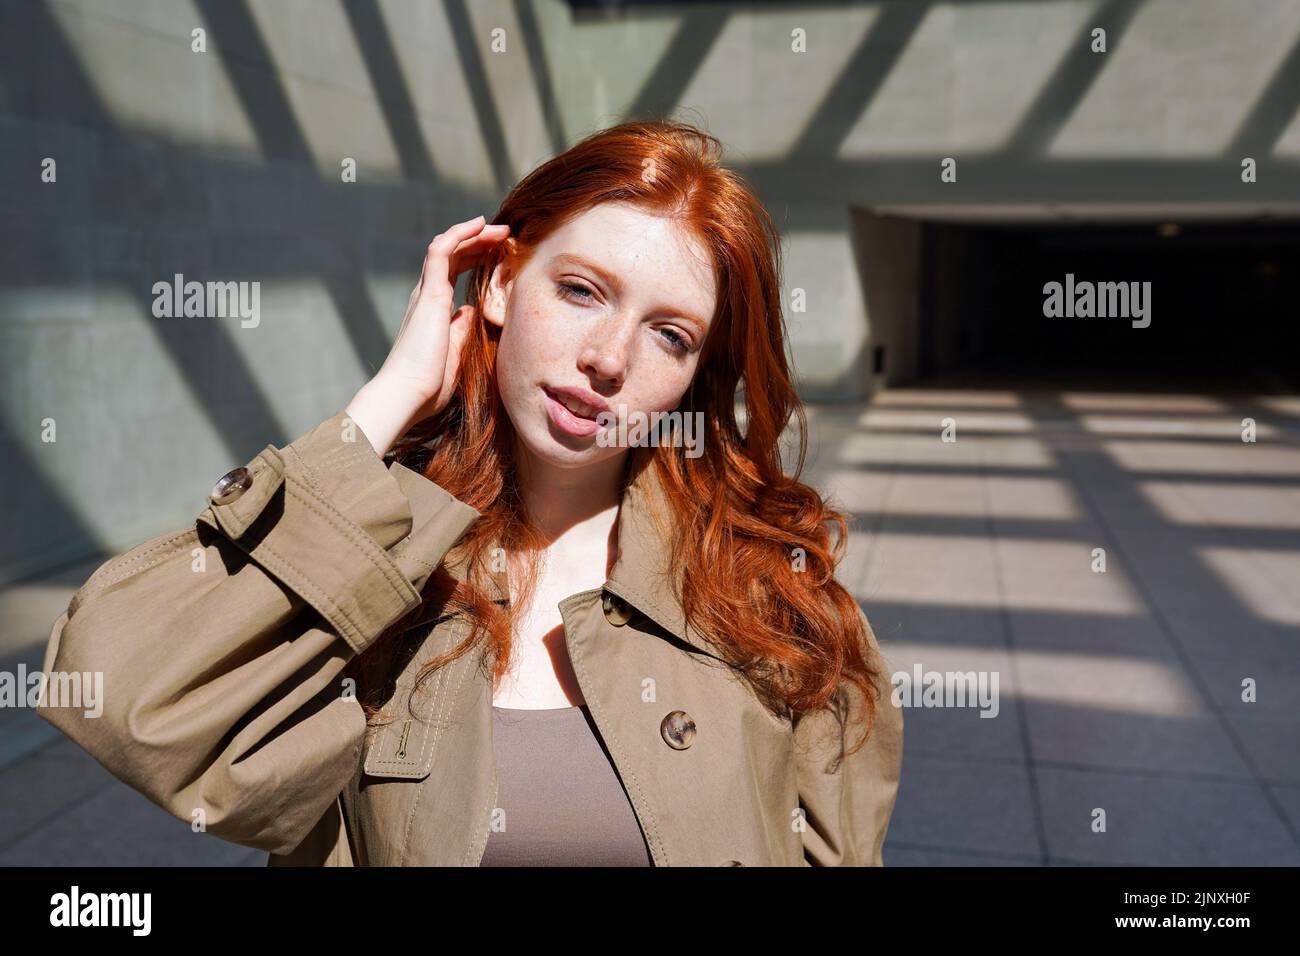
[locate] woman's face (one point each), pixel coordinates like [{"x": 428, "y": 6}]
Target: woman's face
[{"x": 614, "y": 305}]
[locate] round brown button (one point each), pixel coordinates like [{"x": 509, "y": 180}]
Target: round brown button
[
  {"x": 231, "y": 485},
  {"x": 617, "y": 611},
  {"x": 678, "y": 730}
]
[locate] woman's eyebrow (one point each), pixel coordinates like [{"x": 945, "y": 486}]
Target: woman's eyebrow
[{"x": 573, "y": 259}]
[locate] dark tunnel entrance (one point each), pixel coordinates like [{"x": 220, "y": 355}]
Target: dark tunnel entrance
[{"x": 1223, "y": 303}]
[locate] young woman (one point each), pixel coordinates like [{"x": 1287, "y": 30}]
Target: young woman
[{"x": 479, "y": 617}]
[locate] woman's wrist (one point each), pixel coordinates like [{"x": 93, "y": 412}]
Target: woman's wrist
[{"x": 382, "y": 413}]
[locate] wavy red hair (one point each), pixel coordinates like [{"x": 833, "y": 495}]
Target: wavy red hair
[{"x": 796, "y": 635}]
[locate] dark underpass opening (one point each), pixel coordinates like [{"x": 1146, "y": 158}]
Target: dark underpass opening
[{"x": 1206, "y": 305}]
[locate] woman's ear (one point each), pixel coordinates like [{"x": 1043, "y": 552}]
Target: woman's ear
[{"x": 493, "y": 305}]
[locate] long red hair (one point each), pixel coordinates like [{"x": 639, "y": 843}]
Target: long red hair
[{"x": 738, "y": 519}]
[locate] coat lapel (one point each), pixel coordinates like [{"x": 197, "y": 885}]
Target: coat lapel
[{"x": 645, "y": 573}]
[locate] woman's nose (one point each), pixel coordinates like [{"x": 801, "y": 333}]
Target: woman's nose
[{"x": 605, "y": 359}]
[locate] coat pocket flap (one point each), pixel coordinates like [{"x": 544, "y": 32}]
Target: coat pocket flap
[
  {"x": 407, "y": 746},
  {"x": 404, "y": 748}
]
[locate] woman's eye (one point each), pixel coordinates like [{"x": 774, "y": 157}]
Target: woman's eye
[
  {"x": 574, "y": 292},
  {"x": 675, "y": 340}
]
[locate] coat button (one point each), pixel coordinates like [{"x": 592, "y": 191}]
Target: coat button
[
  {"x": 678, "y": 730},
  {"x": 231, "y": 485},
  {"x": 617, "y": 611}
]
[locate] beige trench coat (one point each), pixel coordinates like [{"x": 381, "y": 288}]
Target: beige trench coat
[{"x": 221, "y": 647}]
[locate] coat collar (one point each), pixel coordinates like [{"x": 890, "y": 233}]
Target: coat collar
[{"x": 644, "y": 573}]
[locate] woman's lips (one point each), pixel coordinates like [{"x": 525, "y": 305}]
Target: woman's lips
[{"x": 566, "y": 421}]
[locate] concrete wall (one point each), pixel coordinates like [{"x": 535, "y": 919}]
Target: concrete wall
[{"x": 225, "y": 165}]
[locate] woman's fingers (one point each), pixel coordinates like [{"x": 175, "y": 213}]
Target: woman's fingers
[
  {"x": 471, "y": 252},
  {"x": 452, "y": 252},
  {"x": 488, "y": 236},
  {"x": 437, "y": 258}
]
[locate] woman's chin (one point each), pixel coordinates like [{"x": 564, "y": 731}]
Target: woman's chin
[{"x": 559, "y": 450}]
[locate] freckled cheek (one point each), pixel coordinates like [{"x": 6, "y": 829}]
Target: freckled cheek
[
  {"x": 658, "y": 390},
  {"x": 534, "y": 350}
]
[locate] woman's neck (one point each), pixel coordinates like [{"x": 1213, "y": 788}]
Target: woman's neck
[{"x": 568, "y": 503}]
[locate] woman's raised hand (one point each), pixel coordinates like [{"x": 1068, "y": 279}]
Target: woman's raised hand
[{"x": 418, "y": 377}]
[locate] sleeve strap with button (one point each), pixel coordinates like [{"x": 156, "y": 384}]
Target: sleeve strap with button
[{"x": 354, "y": 538}]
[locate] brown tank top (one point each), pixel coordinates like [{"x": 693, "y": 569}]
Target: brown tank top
[{"x": 563, "y": 802}]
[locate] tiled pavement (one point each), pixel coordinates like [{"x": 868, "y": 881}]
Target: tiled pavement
[{"x": 1119, "y": 692}]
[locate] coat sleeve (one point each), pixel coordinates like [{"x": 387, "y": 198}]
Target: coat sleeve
[
  {"x": 219, "y": 646},
  {"x": 848, "y": 800}
]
